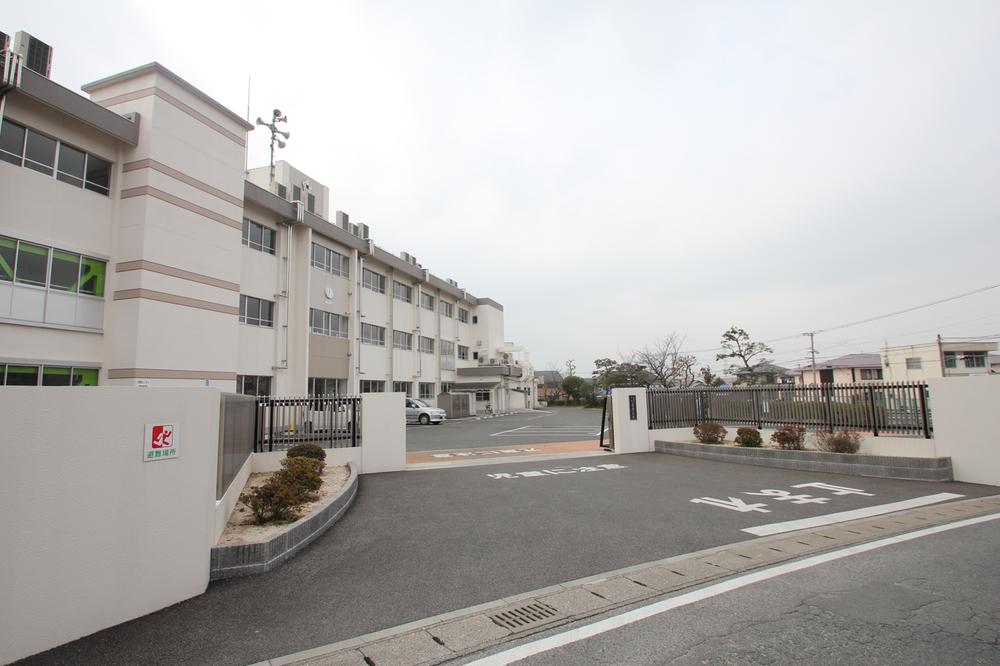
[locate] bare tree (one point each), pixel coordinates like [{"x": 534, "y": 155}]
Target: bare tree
[{"x": 666, "y": 364}]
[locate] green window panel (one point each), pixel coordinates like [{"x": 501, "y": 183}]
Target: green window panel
[
  {"x": 92, "y": 276},
  {"x": 22, "y": 375},
  {"x": 32, "y": 264},
  {"x": 84, "y": 376},
  {"x": 8, "y": 248},
  {"x": 55, "y": 376},
  {"x": 65, "y": 271}
]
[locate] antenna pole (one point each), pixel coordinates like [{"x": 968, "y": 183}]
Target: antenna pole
[{"x": 812, "y": 352}]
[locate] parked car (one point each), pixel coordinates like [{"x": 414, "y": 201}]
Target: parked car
[{"x": 418, "y": 411}]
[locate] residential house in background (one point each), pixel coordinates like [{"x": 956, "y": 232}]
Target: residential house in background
[
  {"x": 936, "y": 359},
  {"x": 847, "y": 369},
  {"x": 764, "y": 373}
]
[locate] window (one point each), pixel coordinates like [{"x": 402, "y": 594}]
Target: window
[
  {"x": 327, "y": 386},
  {"x": 426, "y": 345},
  {"x": 296, "y": 193},
  {"x": 327, "y": 260},
  {"x": 975, "y": 359},
  {"x": 282, "y": 191},
  {"x": 871, "y": 373},
  {"x": 28, "y": 375},
  {"x": 426, "y": 301},
  {"x": 426, "y": 390},
  {"x": 40, "y": 152},
  {"x": 913, "y": 363},
  {"x": 327, "y": 323},
  {"x": 372, "y": 386},
  {"x": 32, "y": 264},
  {"x": 373, "y": 335},
  {"x": 256, "y": 311},
  {"x": 402, "y": 340},
  {"x": 447, "y": 348},
  {"x": 69, "y": 272},
  {"x": 372, "y": 280},
  {"x": 403, "y": 292},
  {"x": 475, "y": 319},
  {"x": 463, "y": 315},
  {"x": 402, "y": 387},
  {"x": 950, "y": 360},
  {"x": 258, "y": 237},
  {"x": 447, "y": 387},
  {"x": 482, "y": 396},
  {"x": 311, "y": 202},
  {"x": 253, "y": 384},
  {"x": 446, "y": 308},
  {"x": 463, "y": 353},
  {"x": 23, "y": 146},
  {"x": 475, "y": 356}
]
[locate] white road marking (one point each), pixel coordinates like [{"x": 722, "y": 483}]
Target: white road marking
[
  {"x": 831, "y": 518},
  {"x": 588, "y": 631}
]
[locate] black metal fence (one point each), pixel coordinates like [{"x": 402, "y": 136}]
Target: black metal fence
[
  {"x": 882, "y": 408},
  {"x": 332, "y": 421}
]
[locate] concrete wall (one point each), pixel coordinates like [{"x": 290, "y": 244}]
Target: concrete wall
[
  {"x": 631, "y": 435},
  {"x": 93, "y": 535},
  {"x": 383, "y": 432},
  {"x": 966, "y": 420}
]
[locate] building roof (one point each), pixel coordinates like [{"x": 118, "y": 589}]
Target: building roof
[
  {"x": 475, "y": 386},
  {"x": 549, "y": 376},
  {"x": 864, "y": 360},
  {"x": 762, "y": 369}
]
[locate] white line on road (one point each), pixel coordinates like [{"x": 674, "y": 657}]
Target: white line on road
[
  {"x": 588, "y": 631},
  {"x": 506, "y": 431},
  {"x": 831, "y": 518}
]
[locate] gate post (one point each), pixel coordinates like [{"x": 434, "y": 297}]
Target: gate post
[{"x": 630, "y": 420}]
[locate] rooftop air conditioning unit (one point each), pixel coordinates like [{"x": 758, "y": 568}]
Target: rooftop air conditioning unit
[
  {"x": 299, "y": 210},
  {"x": 404, "y": 256},
  {"x": 4, "y": 41},
  {"x": 36, "y": 54},
  {"x": 363, "y": 231},
  {"x": 353, "y": 228},
  {"x": 342, "y": 220}
]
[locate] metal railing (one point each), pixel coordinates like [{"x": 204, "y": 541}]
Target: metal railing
[
  {"x": 879, "y": 408},
  {"x": 331, "y": 421}
]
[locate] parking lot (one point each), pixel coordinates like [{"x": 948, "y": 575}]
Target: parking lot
[{"x": 420, "y": 543}]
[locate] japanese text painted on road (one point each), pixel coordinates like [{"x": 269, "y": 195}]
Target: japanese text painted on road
[
  {"x": 557, "y": 470},
  {"x": 778, "y": 495}
]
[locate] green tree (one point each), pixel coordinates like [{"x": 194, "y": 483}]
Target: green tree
[
  {"x": 744, "y": 353},
  {"x": 710, "y": 378},
  {"x": 575, "y": 388}
]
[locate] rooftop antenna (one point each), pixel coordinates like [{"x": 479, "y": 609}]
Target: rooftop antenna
[{"x": 275, "y": 132}]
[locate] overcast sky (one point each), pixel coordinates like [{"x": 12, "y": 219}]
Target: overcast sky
[{"x": 613, "y": 171}]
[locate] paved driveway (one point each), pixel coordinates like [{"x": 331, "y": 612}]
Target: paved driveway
[
  {"x": 558, "y": 424},
  {"x": 420, "y": 543}
]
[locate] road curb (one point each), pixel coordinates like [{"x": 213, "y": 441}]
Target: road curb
[{"x": 457, "y": 634}]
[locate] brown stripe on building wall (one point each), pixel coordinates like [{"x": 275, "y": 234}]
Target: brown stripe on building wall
[
  {"x": 183, "y": 177},
  {"x": 152, "y": 266},
  {"x": 148, "y": 190},
  {"x": 173, "y": 101},
  {"x": 162, "y": 373},
  {"x": 173, "y": 299}
]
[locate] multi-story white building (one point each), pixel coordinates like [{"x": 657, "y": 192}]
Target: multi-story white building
[
  {"x": 936, "y": 359},
  {"x": 135, "y": 249}
]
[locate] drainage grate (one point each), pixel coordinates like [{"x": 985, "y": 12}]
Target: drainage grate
[{"x": 525, "y": 616}]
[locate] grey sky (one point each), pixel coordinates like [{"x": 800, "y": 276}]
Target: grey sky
[{"x": 611, "y": 172}]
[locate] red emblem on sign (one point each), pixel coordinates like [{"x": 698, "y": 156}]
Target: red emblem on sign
[{"x": 163, "y": 436}]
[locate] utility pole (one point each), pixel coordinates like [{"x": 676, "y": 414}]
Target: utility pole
[{"x": 812, "y": 352}]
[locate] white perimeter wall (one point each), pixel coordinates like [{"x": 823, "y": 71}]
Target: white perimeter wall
[
  {"x": 966, "y": 423},
  {"x": 92, "y": 535}
]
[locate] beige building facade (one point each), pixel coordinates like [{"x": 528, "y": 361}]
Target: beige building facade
[{"x": 136, "y": 249}]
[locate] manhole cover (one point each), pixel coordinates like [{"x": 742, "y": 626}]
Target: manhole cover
[{"x": 523, "y": 617}]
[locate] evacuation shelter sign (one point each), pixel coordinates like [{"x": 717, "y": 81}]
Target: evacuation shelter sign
[{"x": 161, "y": 442}]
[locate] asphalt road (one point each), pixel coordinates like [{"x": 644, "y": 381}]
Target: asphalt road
[
  {"x": 556, "y": 424},
  {"x": 934, "y": 600},
  {"x": 420, "y": 543}
]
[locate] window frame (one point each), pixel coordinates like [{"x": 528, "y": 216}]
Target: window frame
[
  {"x": 407, "y": 290},
  {"x": 426, "y": 300},
  {"x": 372, "y": 385},
  {"x": 446, "y": 309},
  {"x": 248, "y": 228},
  {"x": 379, "y": 286},
  {"x": 329, "y": 257},
  {"x": 258, "y": 321},
  {"x": 365, "y": 334},
  {"x": 463, "y": 315},
  {"x": 402, "y": 340},
  {"x": 979, "y": 356},
  {"x": 914, "y": 363},
  {"x": 84, "y": 181},
  {"x": 429, "y": 395},
  {"x": 463, "y": 353},
  {"x": 426, "y": 345},
  {"x": 325, "y": 326},
  {"x": 396, "y": 386}
]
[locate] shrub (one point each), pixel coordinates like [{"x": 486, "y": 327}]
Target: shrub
[
  {"x": 709, "y": 433},
  {"x": 275, "y": 500},
  {"x": 302, "y": 471},
  {"x": 843, "y": 441},
  {"x": 748, "y": 437},
  {"x": 789, "y": 437},
  {"x": 307, "y": 451}
]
